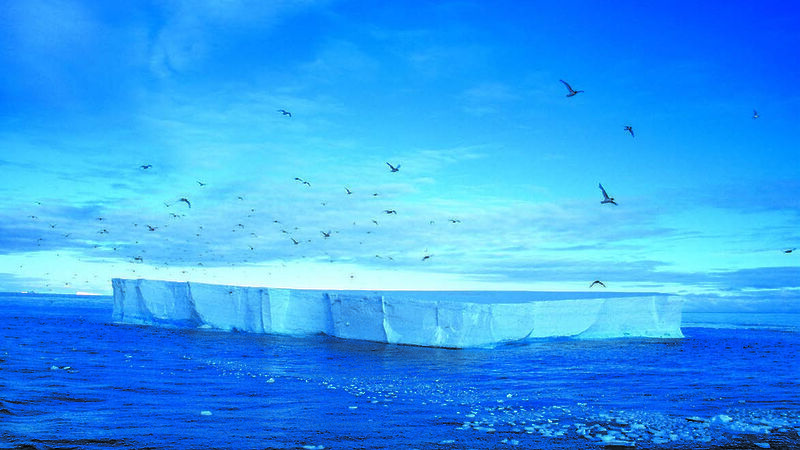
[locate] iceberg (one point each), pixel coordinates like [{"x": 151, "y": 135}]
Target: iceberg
[{"x": 451, "y": 319}]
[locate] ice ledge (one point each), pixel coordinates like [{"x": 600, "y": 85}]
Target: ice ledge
[{"x": 427, "y": 318}]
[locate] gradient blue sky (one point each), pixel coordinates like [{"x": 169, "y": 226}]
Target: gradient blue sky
[{"x": 465, "y": 96}]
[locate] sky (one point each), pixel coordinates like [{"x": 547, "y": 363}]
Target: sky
[{"x": 497, "y": 187}]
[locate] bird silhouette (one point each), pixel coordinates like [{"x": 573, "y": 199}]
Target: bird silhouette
[
  {"x": 285, "y": 112},
  {"x": 145, "y": 166},
  {"x": 201, "y": 183},
  {"x": 302, "y": 181},
  {"x": 572, "y": 92},
  {"x": 348, "y": 191},
  {"x": 789, "y": 250},
  {"x": 390, "y": 211},
  {"x": 755, "y": 114},
  {"x": 326, "y": 235},
  {"x": 595, "y": 282},
  {"x": 393, "y": 168},
  {"x": 606, "y": 198},
  {"x": 185, "y": 200},
  {"x": 629, "y": 129}
]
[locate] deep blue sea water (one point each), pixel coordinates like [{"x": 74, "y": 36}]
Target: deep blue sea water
[{"x": 69, "y": 378}]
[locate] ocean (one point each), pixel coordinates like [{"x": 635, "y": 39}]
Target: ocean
[{"x": 70, "y": 378}]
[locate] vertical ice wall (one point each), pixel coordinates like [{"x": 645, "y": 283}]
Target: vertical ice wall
[{"x": 427, "y": 318}]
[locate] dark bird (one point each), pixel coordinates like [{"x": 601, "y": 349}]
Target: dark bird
[
  {"x": 393, "y": 168},
  {"x": 455, "y": 221},
  {"x": 145, "y": 166},
  {"x": 390, "y": 211},
  {"x": 151, "y": 228},
  {"x": 185, "y": 200},
  {"x": 348, "y": 191},
  {"x": 606, "y": 198},
  {"x": 426, "y": 257},
  {"x": 755, "y": 114},
  {"x": 285, "y": 112},
  {"x": 294, "y": 241},
  {"x": 572, "y": 92},
  {"x": 302, "y": 181},
  {"x": 240, "y": 197},
  {"x": 597, "y": 282},
  {"x": 629, "y": 129},
  {"x": 789, "y": 250},
  {"x": 201, "y": 183},
  {"x": 326, "y": 235}
]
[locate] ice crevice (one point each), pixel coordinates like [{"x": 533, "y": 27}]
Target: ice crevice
[{"x": 428, "y": 318}]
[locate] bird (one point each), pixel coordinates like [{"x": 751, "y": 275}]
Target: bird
[
  {"x": 606, "y": 198},
  {"x": 755, "y": 114},
  {"x": 152, "y": 228},
  {"x": 294, "y": 241},
  {"x": 597, "y": 282},
  {"x": 145, "y": 166},
  {"x": 326, "y": 235},
  {"x": 426, "y": 257},
  {"x": 455, "y": 220},
  {"x": 302, "y": 181},
  {"x": 201, "y": 183},
  {"x": 285, "y": 112},
  {"x": 185, "y": 200},
  {"x": 390, "y": 211},
  {"x": 572, "y": 92},
  {"x": 393, "y": 168},
  {"x": 629, "y": 129},
  {"x": 348, "y": 190},
  {"x": 789, "y": 250}
]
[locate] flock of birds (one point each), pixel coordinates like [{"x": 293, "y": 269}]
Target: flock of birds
[{"x": 326, "y": 234}]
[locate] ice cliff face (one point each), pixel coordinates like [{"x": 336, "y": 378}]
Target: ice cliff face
[{"x": 439, "y": 319}]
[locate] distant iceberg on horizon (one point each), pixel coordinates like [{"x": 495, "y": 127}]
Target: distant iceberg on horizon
[{"x": 450, "y": 319}]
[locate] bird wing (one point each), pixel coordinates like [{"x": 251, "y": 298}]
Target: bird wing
[
  {"x": 605, "y": 195},
  {"x": 567, "y": 85},
  {"x": 390, "y": 166}
]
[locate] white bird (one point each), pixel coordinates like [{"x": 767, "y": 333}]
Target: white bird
[
  {"x": 606, "y": 198},
  {"x": 572, "y": 92}
]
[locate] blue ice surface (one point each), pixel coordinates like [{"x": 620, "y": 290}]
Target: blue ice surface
[{"x": 71, "y": 378}]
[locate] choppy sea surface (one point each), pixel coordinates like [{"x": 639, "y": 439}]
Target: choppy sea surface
[{"x": 70, "y": 378}]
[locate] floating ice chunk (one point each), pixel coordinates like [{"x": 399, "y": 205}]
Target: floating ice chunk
[
  {"x": 761, "y": 444},
  {"x": 432, "y": 318},
  {"x": 205, "y": 413}
]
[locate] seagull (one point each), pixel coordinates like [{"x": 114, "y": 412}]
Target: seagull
[
  {"x": 145, "y": 166},
  {"x": 285, "y": 112},
  {"x": 606, "y": 198},
  {"x": 393, "y": 168},
  {"x": 455, "y": 220},
  {"x": 185, "y": 200},
  {"x": 629, "y": 129},
  {"x": 597, "y": 282},
  {"x": 152, "y": 228},
  {"x": 755, "y": 114},
  {"x": 348, "y": 191},
  {"x": 426, "y": 257},
  {"x": 302, "y": 181},
  {"x": 294, "y": 241},
  {"x": 201, "y": 183},
  {"x": 789, "y": 250},
  {"x": 390, "y": 211},
  {"x": 572, "y": 92},
  {"x": 326, "y": 235}
]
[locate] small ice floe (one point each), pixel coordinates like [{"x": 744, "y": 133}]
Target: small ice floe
[
  {"x": 447, "y": 441},
  {"x": 761, "y": 444},
  {"x": 722, "y": 418},
  {"x": 205, "y": 412},
  {"x": 271, "y": 380},
  {"x": 313, "y": 447},
  {"x": 352, "y": 407}
]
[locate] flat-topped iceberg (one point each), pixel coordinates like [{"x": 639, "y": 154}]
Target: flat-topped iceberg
[{"x": 429, "y": 318}]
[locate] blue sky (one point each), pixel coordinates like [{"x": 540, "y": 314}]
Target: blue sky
[{"x": 464, "y": 96}]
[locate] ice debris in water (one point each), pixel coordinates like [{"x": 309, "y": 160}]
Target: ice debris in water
[
  {"x": 205, "y": 413},
  {"x": 313, "y": 447}
]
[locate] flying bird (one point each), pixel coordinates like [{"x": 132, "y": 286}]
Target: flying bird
[
  {"x": 755, "y": 114},
  {"x": 145, "y": 166},
  {"x": 597, "y": 282},
  {"x": 326, "y": 235},
  {"x": 606, "y": 198},
  {"x": 572, "y": 92},
  {"x": 285, "y": 112},
  {"x": 185, "y": 200},
  {"x": 629, "y": 129},
  {"x": 294, "y": 241},
  {"x": 393, "y": 168},
  {"x": 390, "y": 211},
  {"x": 152, "y": 228},
  {"x": 201, "y": 183},
  {"x": 302, "y": 181},
  {"x": 348, "y": 191},
  {"x": 789, "y": 250}
]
